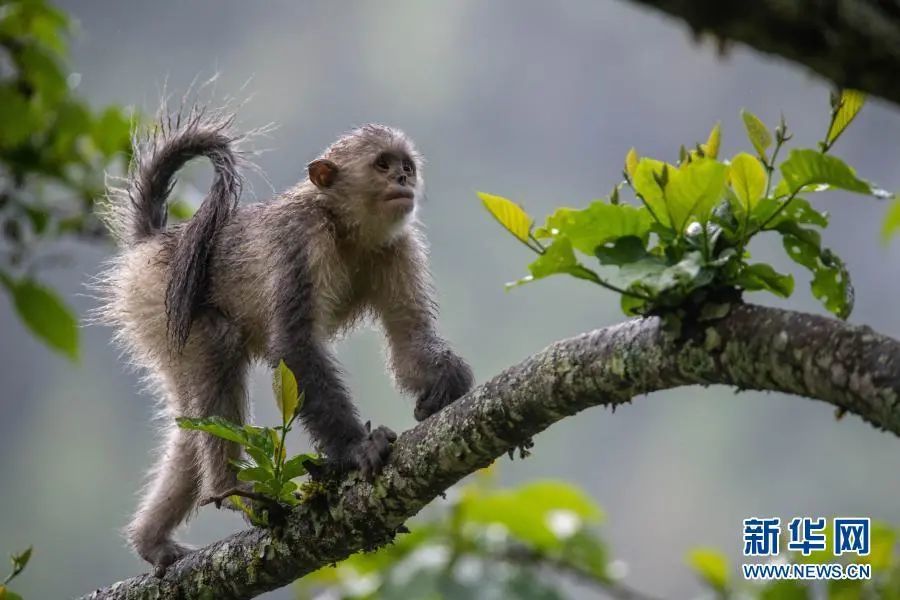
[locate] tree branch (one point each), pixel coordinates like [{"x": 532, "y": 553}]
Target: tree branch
[
  {"x": 854, "y": 43},
  {"x": 851, "y": 367}
]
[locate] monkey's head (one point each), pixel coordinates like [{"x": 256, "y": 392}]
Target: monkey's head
[{"x": 373, "y": 175}]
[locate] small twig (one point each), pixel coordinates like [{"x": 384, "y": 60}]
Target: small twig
[{"x": 217, "y": 500}]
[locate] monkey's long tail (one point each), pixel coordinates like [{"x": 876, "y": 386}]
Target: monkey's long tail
[{"x": 138, "y": 211}]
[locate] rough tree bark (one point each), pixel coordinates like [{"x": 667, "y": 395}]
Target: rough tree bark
[
  {"x": 854, "y": 43},
  {"x": 848, "y": 366}
]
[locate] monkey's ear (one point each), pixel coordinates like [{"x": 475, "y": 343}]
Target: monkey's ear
[{"x": 322, "y": 172}]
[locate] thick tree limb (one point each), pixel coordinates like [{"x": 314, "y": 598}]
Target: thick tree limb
[
  {"x": 854, "y": 43},
  {"x": 851, "y": 367}
]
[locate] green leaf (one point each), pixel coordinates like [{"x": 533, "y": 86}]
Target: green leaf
[
  {"x": 8, "y": 594},
  {"x": 296, "y": 465},
  {"x": 655, "y": 278},
  {"x": 44, "y": 312},
  {"x": 632, "y": 306},
  {"x": 288, "y": 487},
  {"x": 712, "y": 567},
  {"x": 806, "y": 167},
  {"x": 757, "y": 132},
  {"x": 624, "y": 250},
  {"x": 217, "y": 426},
  {"x": 278, "y": 451},
  {"x": 646, "y": 185},
  {"x": 263, "y": 458},
  {"x": 748, "y": 180},
  {"x": 255, "y": 474},
  {"x": 631, "y": 162},
  {"x": 831, "y": 282},
  {"x": 19, "y": 562},
  {"x": 557, "y": 258},
  {"x": 761, "y": 276},
  {"x": 509, "y": 214},
  {"x": 797, "y": 210},
  {"x": 694, "y": 190},
  {"x": 831, "y": 285},
  {"x": 287, "y": 397},
  {"x": 851, "y": 103},
  {"x": 269, "y": 488},
  {"x": 891, "y": 224},
  {"x": 711, "y": 147},
  {"x": 597, "y": 224}
]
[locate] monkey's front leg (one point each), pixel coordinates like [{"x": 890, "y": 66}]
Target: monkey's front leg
[
  {"x": 449, "y": 379},
  {"x": 329, "y": 414},
  {"x": 423, "y": 363}
]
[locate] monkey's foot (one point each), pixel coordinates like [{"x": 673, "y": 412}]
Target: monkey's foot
[
  {"x": 372, "y": 452},
  {"x": 454, "y": 381},
  {"x": 162, "y": 555}
]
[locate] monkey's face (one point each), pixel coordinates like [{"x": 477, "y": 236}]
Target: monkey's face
[
  {"x": 375, "y": 175},
  {"x": 394, "y": 184}
]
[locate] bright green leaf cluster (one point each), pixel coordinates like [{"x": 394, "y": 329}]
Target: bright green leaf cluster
[
  {"x": 265, "y": 466},
  {"x": 681, "y": 249}
]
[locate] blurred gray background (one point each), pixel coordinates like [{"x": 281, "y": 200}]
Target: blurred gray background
[{"x": 538, "y": 101}]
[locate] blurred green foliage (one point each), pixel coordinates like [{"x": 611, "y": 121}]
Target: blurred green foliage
[
  {"x": 681, "y": 252},
  {"x": 516, "y": 543},
  {"x": 488, "y": 543},
  {"x": 54, "y": 152}
]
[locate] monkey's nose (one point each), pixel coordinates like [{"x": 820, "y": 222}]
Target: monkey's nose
[{"x": 401, "y": 179}]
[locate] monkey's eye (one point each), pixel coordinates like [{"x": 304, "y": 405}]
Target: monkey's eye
[
  {"x": 408, "y": 167},
  {"x": 382, "y": 163}
]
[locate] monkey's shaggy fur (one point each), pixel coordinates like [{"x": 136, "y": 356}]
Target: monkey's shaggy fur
[{"x": 195, "y": 304}]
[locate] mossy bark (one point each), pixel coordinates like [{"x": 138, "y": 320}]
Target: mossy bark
[{"x": 850, "y": 367}]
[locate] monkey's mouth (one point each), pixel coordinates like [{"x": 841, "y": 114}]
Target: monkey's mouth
[
  {"x": 399, "y": 194},
  {"x": 400, "y": 197}
]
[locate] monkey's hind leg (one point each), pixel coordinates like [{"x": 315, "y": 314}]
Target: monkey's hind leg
[
  {"x": 218, "y": 389},
  {"x": 208, "y": 380},
  {"x": 169, "y": 499},
  {"x": 225, "y": 397}
]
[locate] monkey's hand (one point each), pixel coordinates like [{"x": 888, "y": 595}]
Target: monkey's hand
[
  {"x": 454, "y": 379},
  {"x": 371, "y": 453}
]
